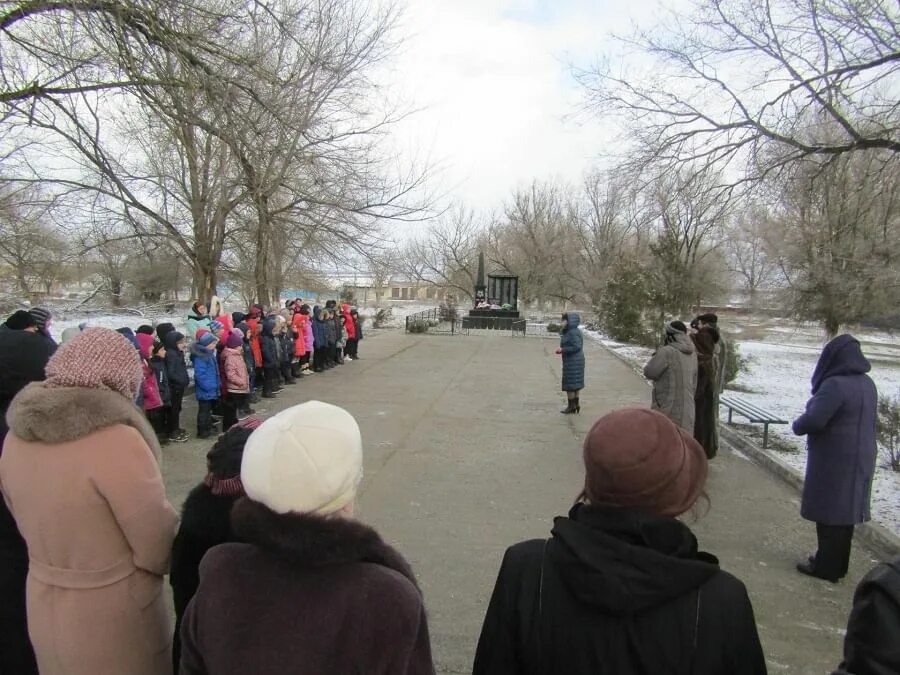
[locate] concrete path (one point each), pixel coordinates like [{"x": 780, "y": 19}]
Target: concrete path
[{"x": 466, "y": 453}]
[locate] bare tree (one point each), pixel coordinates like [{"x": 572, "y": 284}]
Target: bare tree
[
  {"x": 750, "y": 247},
  {"x": 535, "y": 240},
  {"x": 841, "y": 248},
  {"x": 690, "y": 216},
  {"x": 726, "y": 79},
  {"x": 29, "y": 244},
  {"x": 447, "y": 253},
  {"x": 612, "y": 219}
]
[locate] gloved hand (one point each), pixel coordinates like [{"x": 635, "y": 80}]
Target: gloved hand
[{"x": 559, "y": 351}]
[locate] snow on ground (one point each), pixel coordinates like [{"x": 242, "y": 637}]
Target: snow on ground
[
  {"x": 778, "y": 379},
  {"x": 780, "y": 364},
  {"x": 115, "y": 321},
  {"x": 634, "y": 354}
]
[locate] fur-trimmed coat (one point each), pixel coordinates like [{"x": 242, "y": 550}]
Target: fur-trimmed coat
[
  {"x": 304, "y": 595},
  {"x": 80, "y": 473}
]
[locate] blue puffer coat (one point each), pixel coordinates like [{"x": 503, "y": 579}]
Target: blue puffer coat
[
  {"x": 839, "y": 423},
  {"x": 320, "y": 337},
  {"x": 207, "y": 386},
  {"x": 571, "y": 343}
]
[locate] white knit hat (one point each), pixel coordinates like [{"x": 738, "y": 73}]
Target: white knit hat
[{"x": 306, "y": 459}]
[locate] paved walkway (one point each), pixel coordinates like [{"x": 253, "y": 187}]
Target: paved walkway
[{"x": 467, "y": 454}]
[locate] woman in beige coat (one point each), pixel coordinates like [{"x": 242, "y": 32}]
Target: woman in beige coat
[{"x": 80, "y": 473}]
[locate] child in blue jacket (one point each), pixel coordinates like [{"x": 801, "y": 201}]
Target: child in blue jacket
[{"x": 207, "y": 384}]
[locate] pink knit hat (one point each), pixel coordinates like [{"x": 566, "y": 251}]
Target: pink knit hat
[{"x": 97, "y": 358}]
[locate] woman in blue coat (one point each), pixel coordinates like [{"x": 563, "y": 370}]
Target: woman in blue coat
[
  {"x": 570, "y": 346},
  {"x": 839, "y": 424}
]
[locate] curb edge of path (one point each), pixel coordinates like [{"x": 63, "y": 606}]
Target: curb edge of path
[{"x": 881, "y": 541}]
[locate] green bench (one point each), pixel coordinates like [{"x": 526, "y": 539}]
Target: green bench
[{"x": 752, "y": 412}]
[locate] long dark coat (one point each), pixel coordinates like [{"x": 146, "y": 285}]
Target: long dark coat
[
  {"x": 839, "y": 424},
  {"x": 205, "y": 522},
  {"x": 705, "y": 409},
  {"x": 613, "y": 591},
  {"x": 571, "y": 342},
  {"x": 23, "y": 357},
  {"x": 305, "y": 595}
]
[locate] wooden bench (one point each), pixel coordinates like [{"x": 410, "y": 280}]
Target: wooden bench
[{"x": 753, "y": 413}]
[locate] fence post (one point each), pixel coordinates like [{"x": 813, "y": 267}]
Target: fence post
[{"x": 407, "y": 323}]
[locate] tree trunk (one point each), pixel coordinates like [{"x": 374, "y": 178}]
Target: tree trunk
[
  {"x": 261, "y": 263},
  {"x": 205, "y": 280},
  {"x": 21, "y": 280},
  {"x": 115, "y": 292},
  {"x": 832, "y": 325}
]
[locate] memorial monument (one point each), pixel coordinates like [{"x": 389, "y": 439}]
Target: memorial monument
[{"x": 496, "y": 302}]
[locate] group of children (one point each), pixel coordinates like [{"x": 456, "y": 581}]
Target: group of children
[{"x": 235, "y": 357}]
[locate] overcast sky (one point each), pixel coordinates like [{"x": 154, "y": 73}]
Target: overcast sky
[{"x": 493, "y": 78}]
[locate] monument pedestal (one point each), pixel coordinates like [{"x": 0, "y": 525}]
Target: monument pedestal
[{"x": 496, "y": 319}]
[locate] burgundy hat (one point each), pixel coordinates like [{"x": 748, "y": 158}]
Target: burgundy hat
[
  {"x": 639, "y": 458},
  {"x": 97, "y": 358}
]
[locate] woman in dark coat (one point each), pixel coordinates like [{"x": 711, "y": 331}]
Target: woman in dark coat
[
  {"x": 320, "y": 340},
  {"x": 705, "y": 408},
  {"x": 206, "y": 518},
  {"x": 620, "y": 586},
  {"x": 310, "y": 590},
  {"x": 571, "y": 347},
  {"x": 839, "y": 424}
]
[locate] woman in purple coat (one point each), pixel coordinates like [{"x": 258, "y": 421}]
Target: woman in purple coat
[{"x": 839, "y": 423}]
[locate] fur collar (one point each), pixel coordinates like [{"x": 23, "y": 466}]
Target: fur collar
[
  {"x": 44, "y": 414},
  {"x": 314, "y": 541}
]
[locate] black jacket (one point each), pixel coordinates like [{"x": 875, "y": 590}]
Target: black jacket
[
  {"x": 287, "y": 347},
  {"x": 158, "y": 366},
  {"x": 23, "y": 357},
  {"x": 205, "y": 522},
  {"x": 176, "y": 368},
  {"x": 269, "y": 345},
  {"x": 872, "y": 644},
  {"x": 614, "y": 591}
]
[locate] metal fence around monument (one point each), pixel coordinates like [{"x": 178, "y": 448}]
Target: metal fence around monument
[
  {"x": 438, "y": 320},
  {"x": 444, "y": 321}
]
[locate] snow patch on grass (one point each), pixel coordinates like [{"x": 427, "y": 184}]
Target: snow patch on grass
[{"x": 780, "y": 365}]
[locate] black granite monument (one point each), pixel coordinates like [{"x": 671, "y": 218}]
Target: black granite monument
[{"x": 490, "y": 299}]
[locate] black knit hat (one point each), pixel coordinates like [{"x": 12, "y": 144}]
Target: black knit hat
[
  {"x": 675, "y": 326},
  {"x": 162, "y": 329},
  {"x": 41, "y": 316},
  {"x": 145, "y": 329},
  {"x": 224, "y": 459},
  {"x": 20, "y": 320},
  {"x": 237, "y": 317}
]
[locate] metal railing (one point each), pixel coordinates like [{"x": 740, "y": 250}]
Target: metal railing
[
  {"x": 436, "y": 320},
  {"x": 445, "y": 321}
]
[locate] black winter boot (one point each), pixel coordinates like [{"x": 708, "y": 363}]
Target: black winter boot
[{"x": 570, "y": 407}]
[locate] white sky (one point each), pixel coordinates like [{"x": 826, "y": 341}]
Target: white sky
[{"x": 493, "y": 79}]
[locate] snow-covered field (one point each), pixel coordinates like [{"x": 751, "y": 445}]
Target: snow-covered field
[{"x": 781, "y": 359}]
